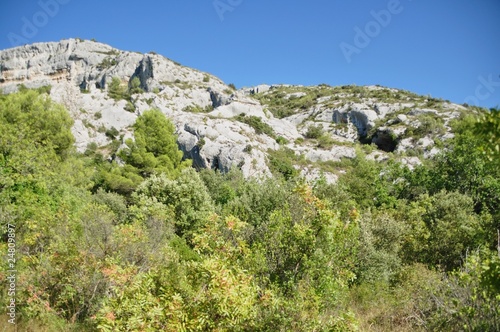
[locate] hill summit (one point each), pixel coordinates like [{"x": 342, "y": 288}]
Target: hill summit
[{"x": 221, "y": 127}]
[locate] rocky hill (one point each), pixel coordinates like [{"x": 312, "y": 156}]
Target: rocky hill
[{"x": 105, "y": 89}]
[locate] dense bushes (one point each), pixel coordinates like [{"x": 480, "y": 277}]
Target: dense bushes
[
  {"x": 29, "y": 118},
  {"x": 153, "y": 151},
  {"x": 153, "y": 245}
]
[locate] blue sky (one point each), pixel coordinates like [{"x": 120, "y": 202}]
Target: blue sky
[{"x": 448, "y": 49}]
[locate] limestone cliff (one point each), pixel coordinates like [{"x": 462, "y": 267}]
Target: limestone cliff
[{"x": 218, "y": 126}]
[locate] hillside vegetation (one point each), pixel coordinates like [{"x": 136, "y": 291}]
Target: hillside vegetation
[{"x": 140, "y": 241}]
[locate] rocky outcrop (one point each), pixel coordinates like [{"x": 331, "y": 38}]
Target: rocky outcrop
[
  {"x": 79, "y": 72},
  {"x": 207, "y": 113}
]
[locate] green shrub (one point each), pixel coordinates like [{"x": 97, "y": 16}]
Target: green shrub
[
  {"x": 248, "y": 148},
  {"x": 44, "y": 89},
  {"x": 112, "y": 133},
  {"x": 314, "y": 131},
  {"x": 282, "y": 107},
  {"x": 91, "y": 149},
  {"x": 187, "y": 195},
  {"x": 299, "y": 140},
  {"x": 130, "y": 107},
  {"x": 325, "y": 141},
  {"x": 256, "y": 123},
  {"x": 87, "y": 124},
  {"x": 281, "y": 140},
  {"x": 281, "y": 162},
  {"x": 117, "y": 91},
  {"x": 198, "y": 109},
  {"x": 108, "y": 62},
  {"x": 200, "y": 143},
  {"x": 31, "y": 115},
  {"x": 430, "y": 124},
  {"x": 135, "y": 86}
]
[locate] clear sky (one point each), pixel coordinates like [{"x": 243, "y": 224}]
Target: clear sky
[{"x": 445, "y": 48}]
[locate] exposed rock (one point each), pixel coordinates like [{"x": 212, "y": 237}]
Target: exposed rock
[
  {"x": 363, "y": 119},
  {"x": 411, "y": 162},
  {"x": 377, "y": 155},
  {"x": 336, "y": 153},
  {"x": 418, "y": 111},
  {"x": 402, "y": 118},
  {"x": 256, "y": 89},
  {"x": 405, "y": 145},
  {"x": 204, "y": 109},
  {"x": 218, "y": 99},
  {"x": 312, "y": 175},
  {"x": 325, "y": 115},
  {"x": 425, "y": 142}
]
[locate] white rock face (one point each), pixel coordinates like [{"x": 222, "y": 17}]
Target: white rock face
[
  {"x": 80, "y": 71},
  {"x": 312, "y": 175},
  {"x": 204, "y": 109}
]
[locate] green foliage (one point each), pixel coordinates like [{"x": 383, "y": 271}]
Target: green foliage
[
  {"x": 186, "y": 195},
  {"x": 487, "y": 130},
  {"x": 146, "y": 243},
  {"x": 256, "y": 123},
  {"x": 153, "y": 151},
  {"x": 250, "y": 201},
  {"x": 206, "y": 294},
  {"x": 281, "y": 162},
  {"x": 112, "y": 133},
  {"x": 198, "y": 109},
  {"x": 281, "y": 140},
  {"x": 464, "y": 169},
  {"x": 381, "y": 239},
  {"x": 314, "y": 131},
  {"x": 44, "y": 89},
  {"x": 365, "y": 184},
  {"x": 107, "y": 62},
  {"x": 117, "y": 91},
  {"x": 31, "y": 119},
  {"x": 130, "y": 107},
  {"x": 248, "y": 148},
  {"x": 135, "y": 86},
  {"x": 201, "y": 142},
  {"x": 154, "y": 148},
  {"x": 325, "y": 141},
  {"x": 222, "y": 188},
  {"x": 428, "y": 124},
  {"x": 474, "y": 300},
  {"x": 443, "y": 228},
  {"x": 281, "y": 105}
]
